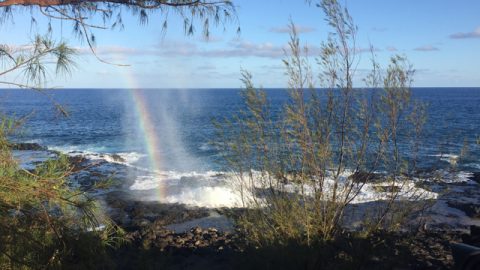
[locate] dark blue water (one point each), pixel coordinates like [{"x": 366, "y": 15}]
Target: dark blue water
[{"x": 104, "y": 121}]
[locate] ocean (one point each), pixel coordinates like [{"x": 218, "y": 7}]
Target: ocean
[{"x": 168, "y": 132}]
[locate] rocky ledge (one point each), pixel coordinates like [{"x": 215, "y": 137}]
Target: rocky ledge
[
  {"x": 27, "y": 147},
  {"x": 209, "y": 248},
  {"x": 196, "y": 238}
]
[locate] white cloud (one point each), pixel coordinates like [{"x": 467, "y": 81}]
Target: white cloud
[
  {"x": 286, "y": 29},
  {"x": 391, "y": 49},
  {"x": 367, "y": 50},
  {"x": 175, "y": 49},
  {"x": 426, "y": 48},
  {"x": 232, "y": 49},
  {"x": 463, "y": 35},
  {"x": 108, "y": 50}
]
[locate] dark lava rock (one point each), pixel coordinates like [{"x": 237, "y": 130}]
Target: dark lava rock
[
  {"x": 197, "y": 230},
  {"x": 470, "y": 209},
  {"x": 430, "y": 249},
  {"x": 28, "y": 146},
  {"x": 475, "y": 177},
  {"x": 474, "y": 237},
  {"x": 118, "y": 158},
  {"x": 195, "y": 239},
  {"x": 141, "y": 222},
  {"x": 475, "y": 231},
  {"x": 387, "y": 188},
  {"x": 78, "y": 162},
  {"x": 365, "y": 177},
  {"x": 123, "y": 204}
]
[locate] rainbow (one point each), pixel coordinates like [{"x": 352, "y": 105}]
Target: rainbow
[{"x": 146, "y": 126}]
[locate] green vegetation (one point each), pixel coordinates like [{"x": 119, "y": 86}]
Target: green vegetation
[
  {"x": 299, "y": 169},
  {"x": 44, "y": 221}
]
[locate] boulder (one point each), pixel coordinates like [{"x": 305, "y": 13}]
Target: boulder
[
  {"x": 387, "y": 188},
  {"x": 28, "y": 147},
  {"x": 365, "y": 177},
  {"x": 473, "y": 238},
  {"x": 197, "y": 230},
  {"x": 118, "y": 158},
  {"x": 470, "y": 209},
  {"x": 141, "y": 222},
  {"x": 78, "y": 162},
  {"x": 475, "y": 177}
]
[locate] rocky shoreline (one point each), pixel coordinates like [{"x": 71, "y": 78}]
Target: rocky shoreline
[
  {"x": 175, "y": 236},
  {"x": 209, "y": 248}
]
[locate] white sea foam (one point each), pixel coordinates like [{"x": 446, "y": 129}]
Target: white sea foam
[
  {"x": 370, "y": 192},
  {"x": 73, "y": 150},
  {"x": 220, "y": 196},
  {"x": 473, "y": 165},
  {"x": 94, "y": 153},
  {"x": 463, "y": 176},
  {"x": 449, "y": 177},
  {"x": 146, "y": 182},
  {"x": 127, "y": 158},
  {"x": 207, "y": 147},
  {"x": 39, "y": 141},
  {"x": 407, "y": 191},
  {"x": 215, "y": 189},
  {"x": 205, "y": 189},
  {"x": 450, "y": 158}
]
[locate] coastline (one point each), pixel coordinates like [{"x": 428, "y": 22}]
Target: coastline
[{"x": 203, "y": 237}]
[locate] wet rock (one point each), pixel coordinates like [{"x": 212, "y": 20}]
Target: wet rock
[
  {"x": 123, "y": 204},
  {"x": 386, "y": 188},
  {"x": 141, "y": 222},
  {"x": 163, "y": 233},
  {"x": 197, "y": 230},
  {"x": 473, "y": 238},
  {"x": 162, "y": 244},
  {"x": 212, "y": 230},
  {"x": 189, "y": 235},
  {"x": 180, "y": 241},
  {"x": 117, "y": 158},
  {"x": 78, "y": 162},
  {"x": 475, "y": 177},
  {"x": 195, "y": 241},
  {"x": 28, "y": 147},
  {"x": 207, "y": 236},
  {"x": 170, "y": 238},
  {"x": 365, "y": 177},
  {"x": 470, "y": 209},
  {"x": 133, "y": 236},
  {"x": 475, "y": 231}
]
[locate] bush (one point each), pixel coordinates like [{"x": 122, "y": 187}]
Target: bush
[
  {"x": 299, "y": 170},
  {"x": 44, "y": 221}
]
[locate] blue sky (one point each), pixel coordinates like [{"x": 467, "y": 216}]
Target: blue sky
[{"x": 441, "y": 38}]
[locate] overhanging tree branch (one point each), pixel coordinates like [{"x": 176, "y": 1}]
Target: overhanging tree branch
[
  {"x": 142, "y": 4},
  {"x": 84, "y": 14}
]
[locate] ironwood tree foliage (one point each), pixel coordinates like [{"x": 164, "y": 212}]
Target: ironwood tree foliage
[
  {"x": 45, "y": 222},
  {"x": 85, "y": 17},
  {"x": 300, "y": 167}
]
